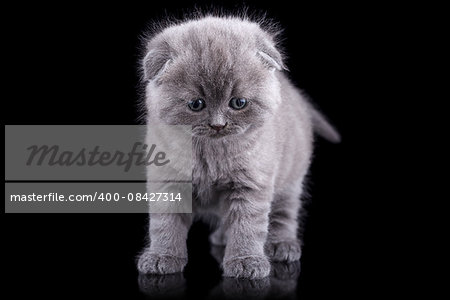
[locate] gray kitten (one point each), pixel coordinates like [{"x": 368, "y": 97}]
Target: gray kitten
[{"x": 252, "y": 142}]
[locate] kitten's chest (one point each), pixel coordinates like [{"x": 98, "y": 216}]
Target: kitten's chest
[
  {"x": 218, "y": 165},
  {"x": 215, "y": 171},
  {"x": 212, "y": 180},
  {"x": 218, "y": 168}
]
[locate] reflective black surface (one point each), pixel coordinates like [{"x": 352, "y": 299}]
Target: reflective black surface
[
  {"x": 204, "y": 267},
  {"x": 281, "y": 284}
]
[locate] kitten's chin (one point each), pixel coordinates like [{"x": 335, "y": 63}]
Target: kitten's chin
[
  {"x": 228, "y": 132},
  {"x": 219, "y": 135},
  {"x": 206, "y": 132},
  {"x": 212, "y": 134}
]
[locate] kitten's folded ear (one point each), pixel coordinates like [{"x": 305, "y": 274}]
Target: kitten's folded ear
[
  {"x": 270, "y": 56},
  {"x": 156, "y": 62}
]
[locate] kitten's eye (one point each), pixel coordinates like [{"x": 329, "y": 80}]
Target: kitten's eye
[
  {"x": 196, "y": 105},
  {"x": 238, "y": 103}
]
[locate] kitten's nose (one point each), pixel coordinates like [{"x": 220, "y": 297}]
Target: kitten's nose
[{"x": 218, "y": 127}]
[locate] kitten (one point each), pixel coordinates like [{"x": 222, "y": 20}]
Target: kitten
[{"x": 252, "y": 137}]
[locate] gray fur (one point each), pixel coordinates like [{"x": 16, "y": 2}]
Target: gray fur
[{"x": 250, "y": 174}]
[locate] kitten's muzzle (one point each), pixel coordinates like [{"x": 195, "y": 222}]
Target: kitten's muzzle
[{"x": 218, "y": 127}]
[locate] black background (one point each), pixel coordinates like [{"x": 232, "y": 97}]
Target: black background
[{"x": 78, "y": 65}]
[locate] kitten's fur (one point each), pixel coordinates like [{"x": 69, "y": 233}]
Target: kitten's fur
[{"x": 249, "y": 175}]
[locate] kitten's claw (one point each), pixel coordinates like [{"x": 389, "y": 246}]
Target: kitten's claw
[
  {"x": 152, "y": 263},
  {"x": 253, "y": 267},
  {"x": 284, "y": 251}
]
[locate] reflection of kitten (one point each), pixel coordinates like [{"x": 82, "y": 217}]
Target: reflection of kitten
[{"x": 252, "y": 142}]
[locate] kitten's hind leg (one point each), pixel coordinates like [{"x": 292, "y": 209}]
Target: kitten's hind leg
[
  {"x": 219, "y": 236},
  {"x": 282, "y": 241}
]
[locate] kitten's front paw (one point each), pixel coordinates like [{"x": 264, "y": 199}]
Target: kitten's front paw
[
  {"x": 284, "y": 251},
  {"x": 253, "y": 267},
  {"x": 153, "y": 263}
]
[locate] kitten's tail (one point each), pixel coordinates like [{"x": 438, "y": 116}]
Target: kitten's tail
[{"x": 323, "y": 128}]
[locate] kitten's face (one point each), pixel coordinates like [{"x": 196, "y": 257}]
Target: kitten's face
[{"x": 220, "y": 97}]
